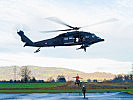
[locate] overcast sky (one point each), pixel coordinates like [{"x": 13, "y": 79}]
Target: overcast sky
[{"x": 114, "y": 55}]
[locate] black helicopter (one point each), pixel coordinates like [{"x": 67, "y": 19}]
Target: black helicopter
[{"x": 74, "y": 37}]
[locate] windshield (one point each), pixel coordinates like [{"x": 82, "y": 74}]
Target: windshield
[{"x": 94, "y": 36}]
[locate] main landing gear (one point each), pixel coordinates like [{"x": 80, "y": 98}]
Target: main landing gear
[
  {"x": 83, "y": 47},
  {"x": 37, "y": 50}
]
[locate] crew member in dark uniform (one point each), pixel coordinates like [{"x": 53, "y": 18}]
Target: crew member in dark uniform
[{"x": 84, "y": 90}]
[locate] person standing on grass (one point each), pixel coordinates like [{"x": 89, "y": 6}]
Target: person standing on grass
[{"x": 84, "y": 90}]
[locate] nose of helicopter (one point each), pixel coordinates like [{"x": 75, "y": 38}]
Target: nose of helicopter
[{"x": 100, "y": 40}]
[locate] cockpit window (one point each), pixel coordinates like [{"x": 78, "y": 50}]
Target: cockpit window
[
  {"x": 87, "y": 36},
  {"x": 98, "y": 37},
  {"x": 70, "y": 37},
  {"x": 93, "y": 35},
  {"x": 65, "y": 38}
]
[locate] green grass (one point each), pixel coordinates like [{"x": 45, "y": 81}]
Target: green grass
[
  {"x": 32, "y": 88},
  {"x": 29, "y": 85},
  {"x": 42, "y": 91},
  {"x": 65, "y": 90}
]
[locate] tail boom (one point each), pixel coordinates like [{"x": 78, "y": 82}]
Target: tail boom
[{"x": 25, "y": 39}]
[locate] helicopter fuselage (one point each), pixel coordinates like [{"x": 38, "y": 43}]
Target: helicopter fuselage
[
  {"x": 69, "y": 39},
  {"x": 66, "y": 39}
]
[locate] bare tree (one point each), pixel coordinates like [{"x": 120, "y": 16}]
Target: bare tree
[
  {"x": 126, "y": 77},
  {"x": 61, "y": 78},
  {"x": 50, "y": 79},
  {"x": 131, "y": 77},
  {"x": 25, "y": 73}
]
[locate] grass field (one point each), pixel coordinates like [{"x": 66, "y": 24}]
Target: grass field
[
  {"x": 53, "y": 88},
  {"x": 29, "y": 85},
  {"x": 65, "y": 90}
]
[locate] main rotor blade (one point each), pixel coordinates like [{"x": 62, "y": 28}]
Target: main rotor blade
[
  {"x": 105, "y": 21},
  {"x": 59, "y": 21},
  {"x": 55, "y": 31}
]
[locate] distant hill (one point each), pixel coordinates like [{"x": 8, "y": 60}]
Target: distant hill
[{"x": 43, "y": 73}]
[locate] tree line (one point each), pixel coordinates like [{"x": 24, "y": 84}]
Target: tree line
[
  {"x": 124, "y": 77},
  {"x": 121, "y": 78}
]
